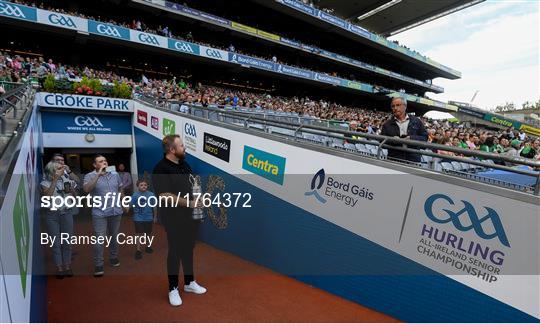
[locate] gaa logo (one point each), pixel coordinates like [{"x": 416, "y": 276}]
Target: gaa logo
[
  {"x": 470, "y": 216},
  {"x": 87, "y": 121},
  {"x": 184, "y": 47},
  {"x": 213, "y": 53},
  {"x": 108, "y": 30},
  {"x": 7, "y": 10},
  {"x": 61, "y": 20},
  {"x": 189, "y": 129},
  {"x": 150, "y": 39}
]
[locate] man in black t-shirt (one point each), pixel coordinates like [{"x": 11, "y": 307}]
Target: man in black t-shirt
[{"x": 171, "y": 179}]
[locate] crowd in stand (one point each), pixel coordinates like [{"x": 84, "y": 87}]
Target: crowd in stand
[
  {"x": 15, "y": 68},
  {"x": 166, "y": 31}
]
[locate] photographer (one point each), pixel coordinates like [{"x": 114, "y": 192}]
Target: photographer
[{"x": 60, "y": 220}]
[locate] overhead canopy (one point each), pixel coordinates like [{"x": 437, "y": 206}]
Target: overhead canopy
[{"x": 387, "y": 17}]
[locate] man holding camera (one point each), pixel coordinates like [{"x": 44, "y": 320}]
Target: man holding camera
[
  {"x": 404, "y": 126},
  {"x": 104, "y": 183}
]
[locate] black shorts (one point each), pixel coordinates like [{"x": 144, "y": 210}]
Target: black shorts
[{"x": 143, "y": 227}]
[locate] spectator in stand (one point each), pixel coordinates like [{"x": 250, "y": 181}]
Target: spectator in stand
[
  {"x": 404, "y": 126},
  {"x": 530, "y": 150}
]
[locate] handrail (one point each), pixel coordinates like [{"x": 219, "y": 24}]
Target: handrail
[{"x": 9, "y": 153}]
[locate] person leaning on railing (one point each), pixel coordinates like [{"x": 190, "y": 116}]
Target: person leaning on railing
[{"x": 59, "y": 221}]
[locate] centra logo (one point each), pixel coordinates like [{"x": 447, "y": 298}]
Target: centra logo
[
  {"x": 21, "y": 229},
  {"x": 448, "y": 215},
  {"x": 264, "y": 164},
  {"x": 169, "y": 127}
]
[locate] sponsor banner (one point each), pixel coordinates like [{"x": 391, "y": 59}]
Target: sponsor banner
[
  {"x": 60, "y": 20},
  {"x": 243, "y": 28},
  {"x": 173, "y": 5},
  {"x": 148, "y": 39},
  {"x": 290, "y": 42},
  {"x": 215, "y": 19},
  {"x": 343, "y": 58},
  {"x": 251, "y": 62},
  {"x": 300, "y": 6},
  {"x": 190, "y": 136},
  {"x": 190, "y": 11},
  {"x": 154, "y": 123},
  {"x": 57, "y": 100},
  {"x": 214, "y": 53},
  {"x": 13, "y": 10},
  {"x": 103, "y": 29},
  {"x": 359, "y": 31},
  {"x": 327, "y": 79},
  {"x": 54, "y": 122},
  {"x": 530, "y": 129},
  {"x": 268, "y": 35},
  {"x": 456, "y": 218},
  {"x": 142, "y": 117},
  {"x": 332, "y": 19},
  {"x": 294, "y": 71},
  {"x": 17, "y": 223},
  {"x": 307, "y": 47},
  {"x": 184, "y": 47},
  {"x": 471, "y": 112},
  {"x": 264, "y": 164},
  {"x": 217, "y": 146},
  {"x": 358, "y": 86},
  {"x": 502, "y": 121},
  {"x": 328, "y": 54},
  {"x": 158, "y": 2},
  {"x": 169, "y": 127}
]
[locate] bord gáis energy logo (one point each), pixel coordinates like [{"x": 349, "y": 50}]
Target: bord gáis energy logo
[
  {"x": 344, "y": 192},
  {"x": 453, "y": 214}
]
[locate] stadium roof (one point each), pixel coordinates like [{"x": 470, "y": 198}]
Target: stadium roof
[{"x": 388, "y": 17}]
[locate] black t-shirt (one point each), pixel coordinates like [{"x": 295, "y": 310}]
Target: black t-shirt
[{"x": 170, "y": 177}]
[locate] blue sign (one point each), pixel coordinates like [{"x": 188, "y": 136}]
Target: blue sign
[
  {"x": 54, "y": 122},
  {"x": 332, "y": 19},
  {"x": 300, "y": 6},
  {"x": 12, "y": 10},
  {"x": 215, "y": 19},
  {"x": 96, "y": 27},
  {"x": 290, "y": 42},
  {"x": 359, "y": 31},
  {"x": 185, "y": 47},
  {"x": 264, "y": 164},
  {"x": 327, "y": 79},
  {"x": 294, "y": 71},
  {"x": 251, "y": 61}
]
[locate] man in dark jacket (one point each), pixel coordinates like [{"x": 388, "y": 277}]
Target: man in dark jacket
[{"x": 404, "y": 126}]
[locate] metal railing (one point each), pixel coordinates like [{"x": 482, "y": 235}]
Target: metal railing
[
  {"x": 297, "y": 129},
  {"x": 15, "y": 105}
]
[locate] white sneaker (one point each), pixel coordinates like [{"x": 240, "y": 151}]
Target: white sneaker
[
  {"x": 194, "y": 288},
  {"x": 174, "y": 297}
]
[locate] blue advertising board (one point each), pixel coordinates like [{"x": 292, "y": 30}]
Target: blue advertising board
[
  {"x": 83, "y": 122},
  {"x": 251, "y": 62},
  {"x": 103, "y": 29},
  {"x": 13, "y": 10},
  {"x": 289, "y": 70},
  {"x": 181, "y": 46}
]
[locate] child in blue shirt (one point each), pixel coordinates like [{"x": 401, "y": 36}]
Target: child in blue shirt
[{"x": 143, "y": 215}]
